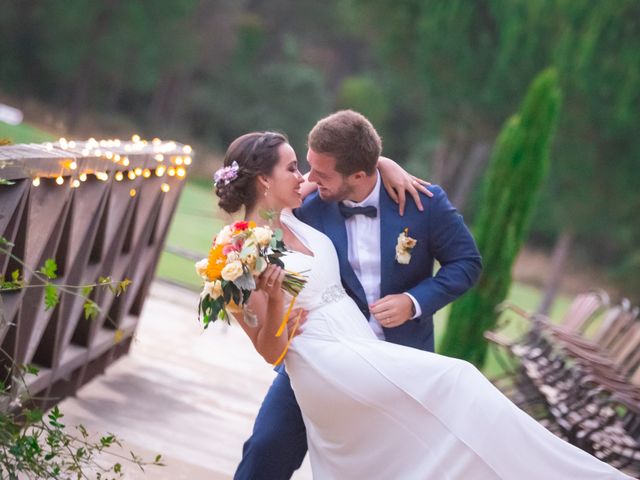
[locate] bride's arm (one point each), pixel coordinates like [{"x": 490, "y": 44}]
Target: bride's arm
[
  {"x": 398, "y": 182},
  {"x": 267, "y": 303}
]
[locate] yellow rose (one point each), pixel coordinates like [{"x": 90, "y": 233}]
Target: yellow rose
[
  {"x": 263, "y": 235},
  {"x": 232, "y": 270},
  {"x": 201, "y": 268},
  {"x": 213, "y": 289},
  {"x": 250, "y": 261}
]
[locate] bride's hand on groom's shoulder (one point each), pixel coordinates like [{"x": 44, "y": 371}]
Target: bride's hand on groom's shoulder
[{"x": 398, "y": 183}]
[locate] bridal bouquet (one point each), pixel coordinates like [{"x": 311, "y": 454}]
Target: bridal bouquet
[{"x": 240, "y": 252}]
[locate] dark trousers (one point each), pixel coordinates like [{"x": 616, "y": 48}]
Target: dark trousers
[{"x": 278, "y": 443}]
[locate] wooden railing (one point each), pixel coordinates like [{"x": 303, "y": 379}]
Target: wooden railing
[{"x": 99, "y": 209}]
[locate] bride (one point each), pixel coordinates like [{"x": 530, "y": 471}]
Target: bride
[{"x": 373, "y": 409}]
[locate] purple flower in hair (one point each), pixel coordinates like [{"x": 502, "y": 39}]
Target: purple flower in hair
[{"x": 226, "y": 174}]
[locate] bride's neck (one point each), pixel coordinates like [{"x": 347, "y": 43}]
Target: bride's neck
[{"x": 273, "y": 219}]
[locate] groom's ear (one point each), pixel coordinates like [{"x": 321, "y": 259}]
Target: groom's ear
[{"x": 358, "y": 176}]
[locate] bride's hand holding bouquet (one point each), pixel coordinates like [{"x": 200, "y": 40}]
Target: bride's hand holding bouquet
[{"x": 244, "y": 258}]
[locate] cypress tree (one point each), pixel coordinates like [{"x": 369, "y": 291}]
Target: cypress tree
[{"x": 518, "y": 167}]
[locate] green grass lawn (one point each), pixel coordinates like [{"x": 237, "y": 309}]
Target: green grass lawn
[
  {"x": 23, "y": 133},
  {"x": 194, "y": 225}
]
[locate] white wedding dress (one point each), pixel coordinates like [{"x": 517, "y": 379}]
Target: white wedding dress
[{"x": 376, "y": 410}]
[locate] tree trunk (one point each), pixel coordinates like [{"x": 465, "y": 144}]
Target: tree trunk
[
  {"x": 558, "y": 262},
  {"x": 468, "y": 174}
]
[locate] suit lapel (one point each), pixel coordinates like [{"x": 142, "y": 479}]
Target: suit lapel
[
  {"x": 335, "y": 229},
  {"x": 391, "y": 224}
]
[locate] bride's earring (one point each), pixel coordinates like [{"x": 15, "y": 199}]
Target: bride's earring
[{"x": 266, "y": 190}]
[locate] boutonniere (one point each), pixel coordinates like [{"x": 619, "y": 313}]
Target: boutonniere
[{"x": 404, "y": 246}]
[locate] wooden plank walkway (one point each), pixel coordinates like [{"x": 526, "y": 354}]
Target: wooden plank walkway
[{"x": 189, "y": 395}]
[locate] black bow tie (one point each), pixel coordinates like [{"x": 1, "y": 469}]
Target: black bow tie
[{"x": 348, "y": 212}]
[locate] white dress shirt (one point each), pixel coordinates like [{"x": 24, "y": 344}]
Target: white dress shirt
[{"x": 363, "y": 236}]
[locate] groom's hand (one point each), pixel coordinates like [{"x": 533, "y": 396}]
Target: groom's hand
[
  {"x": 392, "y": 310},
  {"x": 298, "y": 315}
]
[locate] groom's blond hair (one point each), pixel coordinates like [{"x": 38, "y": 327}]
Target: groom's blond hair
[{"x": 350, "y": 138}]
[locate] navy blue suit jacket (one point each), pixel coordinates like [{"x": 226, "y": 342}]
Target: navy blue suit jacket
[{"x": 441, "y": 235}]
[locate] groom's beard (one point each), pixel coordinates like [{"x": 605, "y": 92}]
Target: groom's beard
[{"x": 343, "y": 193}]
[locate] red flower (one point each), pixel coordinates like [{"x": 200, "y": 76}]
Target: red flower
[{"x": 240, "y": 226}]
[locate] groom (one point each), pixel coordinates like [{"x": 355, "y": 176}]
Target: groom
[{"x": 398, "y": 298}]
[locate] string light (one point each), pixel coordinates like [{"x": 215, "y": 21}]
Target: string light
[{"x": 103, "y": 149}]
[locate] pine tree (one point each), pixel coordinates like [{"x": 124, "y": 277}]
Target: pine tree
[{"x": 519, "y": 164}]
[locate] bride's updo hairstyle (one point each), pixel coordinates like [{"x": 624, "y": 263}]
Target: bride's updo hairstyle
[{"x": 247, "y": 157}]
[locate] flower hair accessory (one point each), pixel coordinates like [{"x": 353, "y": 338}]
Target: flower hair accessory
[
  {"x": 404, "y": 246},
  {"x": 226, "y": 174}
]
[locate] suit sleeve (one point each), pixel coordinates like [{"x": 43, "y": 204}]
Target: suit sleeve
[{"x": 451, "y": 244}]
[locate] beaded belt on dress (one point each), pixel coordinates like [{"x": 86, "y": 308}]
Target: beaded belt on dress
[{"x": 333, "y": 293}]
